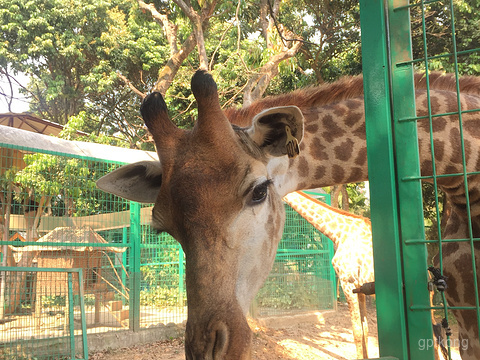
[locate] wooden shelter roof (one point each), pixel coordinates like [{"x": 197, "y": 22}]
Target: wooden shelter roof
[
  {"x": 66, "y": 235},
  {"x": 32, "y": 123}
]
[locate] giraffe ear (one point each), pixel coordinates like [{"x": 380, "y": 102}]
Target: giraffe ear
[
  {"x": 272, "y": 130},
  {"x": 139, "y": 181}
]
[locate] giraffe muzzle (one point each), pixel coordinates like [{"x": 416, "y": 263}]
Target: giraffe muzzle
[{"x": 218, "y": 343}]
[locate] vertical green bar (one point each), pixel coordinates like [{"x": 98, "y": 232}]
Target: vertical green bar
[
  {"x": 135, "y": 239},
  {"x": 386, "y": 244},
  {"x": 82, "y": 314},
  {"x": 409, "y": 192},
  {"x": 124, "y": 259},
  {"x": 71, "y": 324},
  {"x": 181, "y": 274}
]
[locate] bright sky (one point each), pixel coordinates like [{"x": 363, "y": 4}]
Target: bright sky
[{"x": 19, "y": 103}]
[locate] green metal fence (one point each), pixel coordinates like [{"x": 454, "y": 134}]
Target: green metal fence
[
  {"x": 53, "y": 216},
  {"x": 58, "y": 319},
  {"x": 403, "y": 241},
  {"x": 302, "y": 277}
]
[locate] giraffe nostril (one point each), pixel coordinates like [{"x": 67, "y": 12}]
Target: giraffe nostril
[{"x": 221, "y": 342}]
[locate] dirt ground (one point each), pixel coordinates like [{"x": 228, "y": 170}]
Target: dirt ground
[
  {"x": 325, "y": 335},
  {"x": 322, "y": 335}
]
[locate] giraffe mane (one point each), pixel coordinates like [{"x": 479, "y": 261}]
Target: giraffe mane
[
  {"x": 468, "y": 84},
  {"x": 352, "y": 215},
  {"x": 348, "y": 87}
]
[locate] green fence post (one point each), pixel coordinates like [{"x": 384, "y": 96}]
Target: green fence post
[
  {"x": 124, "y": 259},
  {"x": 82, "y": 314},
  {"x": 409, "y": 191},
  {"x": 71, "y": 324},
  {"x": 181, "y": 274},
  {"x": 392, "y": 336},
  {"x": 135, "y": 239}
]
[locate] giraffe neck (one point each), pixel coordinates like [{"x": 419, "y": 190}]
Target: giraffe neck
[
  {"x": 334, "y": 147},
  {"x": 329, "y": 221}
]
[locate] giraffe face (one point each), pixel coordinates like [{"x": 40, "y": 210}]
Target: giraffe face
[{"x": 218, "y": 190}]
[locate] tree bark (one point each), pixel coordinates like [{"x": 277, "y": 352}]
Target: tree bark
[{"x": 335, "y": 193}]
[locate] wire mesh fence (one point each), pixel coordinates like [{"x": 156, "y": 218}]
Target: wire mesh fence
[
  {"x": 434, "y": 123},
  {"x": 53, "y": 216},
  {"x": 302, "y": 277},
  {"x": 51, "y": 321}
]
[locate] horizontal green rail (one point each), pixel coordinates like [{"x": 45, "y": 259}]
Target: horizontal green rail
[
  {"x": 464, "y": 52},
  {"x": 67, "y": 244},
  {"x": 427, "y": 117},
  {"x": 56, "y": 153},
  {"x": 36, "y": 269}
]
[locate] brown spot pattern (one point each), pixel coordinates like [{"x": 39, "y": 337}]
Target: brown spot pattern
[
  {"x": 439, "y": 148},
  {"x": 467, "y": 147},
  {"x": 332, "y": 130},
  {"x": 472, "y": 127},
  {"x": 317, "y": 150},
  {"x": 344, "y": 150},
  {"x": 311, "y": 128},
  {"x": 435, "y": 105},
  {"x": 426, "y": 167},
  {"x": 439, "y": 124},
  {"x": 356, "y": 174},
  {"x": 339, "y": 111},
  {"x": 354, "y": 104},
  {"x": 338, "y": 174},
  {"x": 454, "y": 143},
  {"x": 453, "y": 224},
  {"x": 361, "y": 158},
  {"x": 320, "y": 172},
  {"x": 353, "y": 118},
  {"x": 360, "y": 132},
  {"x": 303, "y": 169}
]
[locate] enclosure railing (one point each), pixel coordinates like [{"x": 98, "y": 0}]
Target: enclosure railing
[
  {"x": 52, "y": 344},
  {"x": 402, "y": 248}
]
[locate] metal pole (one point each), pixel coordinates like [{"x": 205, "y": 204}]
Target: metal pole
[{"x": 135, "y": 277}]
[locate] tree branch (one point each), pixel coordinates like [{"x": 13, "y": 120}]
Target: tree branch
[
  {"x": 130, "y": 85},
  {"x": 169, "y": 28}
]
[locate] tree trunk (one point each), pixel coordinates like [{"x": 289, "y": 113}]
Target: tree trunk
[{"x": 336, "y": 192}]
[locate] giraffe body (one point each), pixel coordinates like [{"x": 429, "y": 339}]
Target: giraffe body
[
  {"x": 353, "y": 259},
  {"x": 218, "y": 190}
]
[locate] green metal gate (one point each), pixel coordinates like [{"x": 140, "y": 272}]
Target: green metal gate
[{"x": 399, "y": 240}]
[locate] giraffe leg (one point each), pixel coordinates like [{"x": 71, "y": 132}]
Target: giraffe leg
[
  {"x": 362, "y": 304},
  {"x": 353, "y": 307}
]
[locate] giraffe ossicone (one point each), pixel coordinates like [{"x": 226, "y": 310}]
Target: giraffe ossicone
[{"x": 218, "y": 190}]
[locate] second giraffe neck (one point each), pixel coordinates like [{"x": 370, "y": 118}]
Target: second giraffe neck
[{"x": 326, "y": 219}]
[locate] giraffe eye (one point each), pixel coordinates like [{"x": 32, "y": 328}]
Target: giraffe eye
[{"x": 260, "y": 192}]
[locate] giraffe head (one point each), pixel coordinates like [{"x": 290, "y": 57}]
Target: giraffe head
[{"x": 218, "y": 190}]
